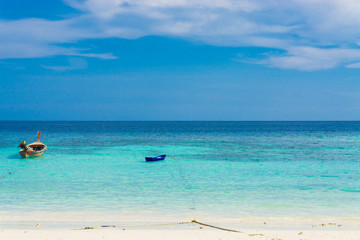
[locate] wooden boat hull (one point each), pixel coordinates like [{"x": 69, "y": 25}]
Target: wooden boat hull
[
  {"x": 25, "y": 154},
  {"x": 154, "y": 159},
  {"x": 33, "y": 150}
]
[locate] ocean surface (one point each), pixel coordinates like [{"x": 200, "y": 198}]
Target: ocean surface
[{"x": 226, "y": 168}]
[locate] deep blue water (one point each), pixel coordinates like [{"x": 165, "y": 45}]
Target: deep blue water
[{"x": 236, "y": 168}]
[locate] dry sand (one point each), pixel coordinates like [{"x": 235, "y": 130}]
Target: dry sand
[{"x": 81, "y": 226}]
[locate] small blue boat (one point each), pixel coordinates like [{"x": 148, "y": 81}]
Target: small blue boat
[{"x": 153, "y": 159}]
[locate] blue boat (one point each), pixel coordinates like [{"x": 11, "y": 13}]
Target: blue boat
[{"x": 153, "y": 159}]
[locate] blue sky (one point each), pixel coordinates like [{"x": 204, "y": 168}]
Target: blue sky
[{"x": 179, "y": 60}]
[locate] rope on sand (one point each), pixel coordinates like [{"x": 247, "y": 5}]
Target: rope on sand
[
  {"x": 164, "y": 224},
  {"x": 212, "y": 226}
]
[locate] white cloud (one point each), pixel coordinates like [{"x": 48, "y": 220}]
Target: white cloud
[
  {"x": 35, "y": 38},
  {"x": 311, "y": 34},
  {"x": 354, "y": 65},
  {"x": 109, "y": 8},
  {"x": 311, "y": 59},
  {"x": 74, "y": 64}
]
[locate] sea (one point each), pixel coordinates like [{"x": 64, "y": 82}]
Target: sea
[{"x": 225, "y": 168}]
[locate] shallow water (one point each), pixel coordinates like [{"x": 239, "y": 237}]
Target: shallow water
[{"x": 228, "y": 168}]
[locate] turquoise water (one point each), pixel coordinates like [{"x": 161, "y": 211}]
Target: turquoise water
[{"x": 234, "y": 168}]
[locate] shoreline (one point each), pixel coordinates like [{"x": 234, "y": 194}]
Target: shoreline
[{"x": 151, "y": 217}]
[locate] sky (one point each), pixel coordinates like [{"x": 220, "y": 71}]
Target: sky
[{"x": 180, "y": 60}]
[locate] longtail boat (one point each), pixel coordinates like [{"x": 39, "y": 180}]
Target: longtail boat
[
  {"x": 158, "y": 158},
  {"x": 34, "y": 149}
]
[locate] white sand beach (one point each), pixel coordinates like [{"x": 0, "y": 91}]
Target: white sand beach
[
  {"x": 78, "y": 226},
  {"x": 206, "y": 234}
]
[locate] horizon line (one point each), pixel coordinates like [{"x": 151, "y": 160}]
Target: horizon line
[{"x": 179, "y": 120}]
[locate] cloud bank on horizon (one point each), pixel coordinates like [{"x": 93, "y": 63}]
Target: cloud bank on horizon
[{"x": 307, "y": 35}]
